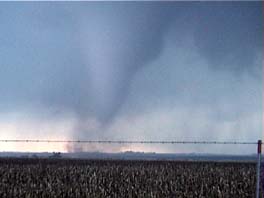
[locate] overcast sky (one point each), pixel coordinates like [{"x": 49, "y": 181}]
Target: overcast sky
[{"x": 131, "y": 71}]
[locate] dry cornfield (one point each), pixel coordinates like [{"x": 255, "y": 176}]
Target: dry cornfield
[{"x": 29, "y": 178}]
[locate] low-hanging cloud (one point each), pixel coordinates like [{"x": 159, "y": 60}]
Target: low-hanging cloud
[
  {"x": 82, "y": 58},
  {"x": 85, "y": 64}
]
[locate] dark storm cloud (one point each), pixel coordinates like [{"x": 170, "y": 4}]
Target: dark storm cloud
[
  {"x": 229, "y": 34},
  {"x": 81, "y": 57}
]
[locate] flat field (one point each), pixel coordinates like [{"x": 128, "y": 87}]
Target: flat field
[{"x": 122, "y": 178}]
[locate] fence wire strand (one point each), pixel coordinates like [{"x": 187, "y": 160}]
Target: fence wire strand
[{"x": 127, "y": 141}]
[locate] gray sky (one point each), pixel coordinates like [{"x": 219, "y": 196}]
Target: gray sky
[{"x": 131, "y": 70}]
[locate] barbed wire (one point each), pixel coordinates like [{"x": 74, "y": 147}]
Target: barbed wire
[{"x": 126, "y": 141}]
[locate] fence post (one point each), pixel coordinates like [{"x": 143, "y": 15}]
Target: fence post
[{"x": 258, "y": 168}]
